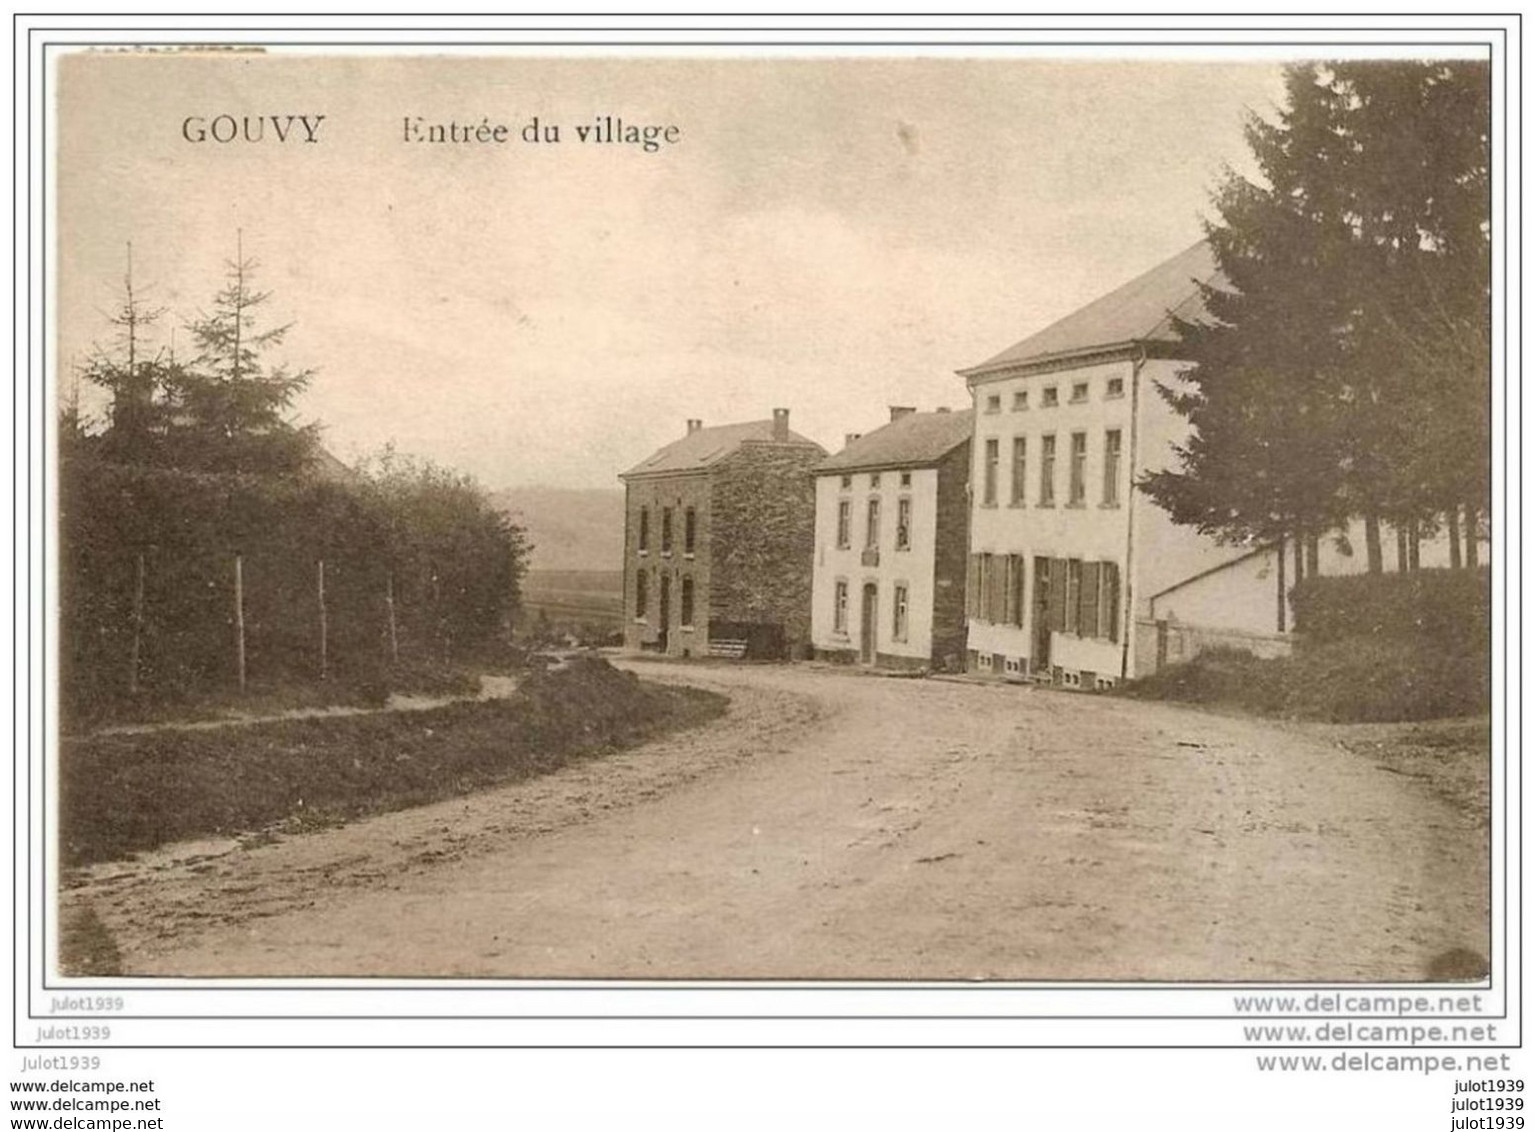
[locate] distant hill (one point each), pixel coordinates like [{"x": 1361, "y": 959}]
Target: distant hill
[{"x": 570, "y": 528}]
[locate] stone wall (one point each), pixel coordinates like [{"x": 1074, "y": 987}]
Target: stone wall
[
  {"x": 679, "y": 492},
  {"x": 951, "y": 557},
  {"x": 762, "y": 540}
]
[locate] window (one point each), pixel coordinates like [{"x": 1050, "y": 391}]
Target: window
[
  {"x": 1015, "y": 590},
  {"x": 873, "y": 481},
  {"x": 847, "y": 483},
  {"x": 844, "y": 523},
  {"x": 641, "y": 594},
  {"x": 1049, "y": 397},
  {"x": 839, "y": 608},
  {"x": 994, "y": 403},
  {"x": 1111, "y": 444},
  {"x": 1079, "y": 392},
  {"x": 1020, "y": 484},
  {"x": 666, "y": 530},
  {"x": 1020, "y": 400},
  {"x": 1078, "y": 482},
  {"x": 1108, "y": 600},
  {"x": 1047, "y": 471},
  {"x": 905, "y": 479},
  {"x": 903, "y": 523},
  {"x": 1115, "y": 388},
  {"x": 687, "y": 602},
  {"x": 1073, "y": 592},
  {"x": 689, "y": 531},
  {"x": 871, "y": 531},
  {"x": 644, "y": 529},
  {"x": 989, "y": 491},
  {"x": 898, "y": 626}
]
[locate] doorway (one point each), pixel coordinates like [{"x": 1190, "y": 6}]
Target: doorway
[
  {"x": 869, "y": 624},
  {"x": 1041, "y": 615}
]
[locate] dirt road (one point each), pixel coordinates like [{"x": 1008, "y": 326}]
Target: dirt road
[{"x": 840, "y": 826}]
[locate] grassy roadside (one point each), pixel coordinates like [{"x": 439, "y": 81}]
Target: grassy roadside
[
  {"x": 1452, "y": 757},
  {"x": 121, "y": 794},
  {"x": 1349, "y": 681}
]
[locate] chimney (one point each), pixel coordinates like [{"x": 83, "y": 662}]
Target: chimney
[
  {"x": 694, "y": 426},
  {"x": 899, "y": 411},
  {"x": 850, "y": 437},
  {"x": 780, "y": 424}
]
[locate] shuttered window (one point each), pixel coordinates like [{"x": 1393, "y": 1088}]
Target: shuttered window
[
  {"x": 1087, "y": 605},
  {"x": 973, "y": 588},
  {"x": 1058, "y": 594},
  {"x": 1016, "y": 591},
  {"x": 1108, "y": 600}
]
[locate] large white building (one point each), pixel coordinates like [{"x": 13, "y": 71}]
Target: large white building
[
  {"x": 890, "y": 540},
  {"x": 1076, "y": 576},
  {"x": 1065, "y": 552}
]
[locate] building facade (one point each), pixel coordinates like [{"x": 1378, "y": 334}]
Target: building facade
[
  {"x": 1076, "y": 577},
  {"x": 718, "y": 538},
  {"x": 1065, "y": 552},
  {"x": 891, "y": 534}
]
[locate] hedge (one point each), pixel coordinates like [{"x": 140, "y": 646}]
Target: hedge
[{"x": 1446, "y": 610}]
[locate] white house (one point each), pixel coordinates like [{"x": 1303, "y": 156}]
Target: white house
[
  {"x": 890, "y": 540},
  {"x": 1076, "y": 577}
]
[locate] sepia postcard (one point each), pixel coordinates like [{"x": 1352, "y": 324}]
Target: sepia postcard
[{"x": 798, "y": 516}]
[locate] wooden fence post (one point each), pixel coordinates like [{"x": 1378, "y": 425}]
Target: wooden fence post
[
  {"x": 324, "y": 625},
  {"x": 394, "y": 632},
  {"x": 240, "y": 621},
  {"x": 138, "y": 626}
]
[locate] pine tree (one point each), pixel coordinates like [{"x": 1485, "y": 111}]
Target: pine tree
[
  {"x": 230, "y": 408},
  {"x": 133, "y": 374},
  {"x": 1343, "y": 369}
]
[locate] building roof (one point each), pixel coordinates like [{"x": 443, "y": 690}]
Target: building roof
[
  {"x": 705, "y": 447},
  {"x": 912, "y": 440},
  {"x": 1137, "y": 313}
]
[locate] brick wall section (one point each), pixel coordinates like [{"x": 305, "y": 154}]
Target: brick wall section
[
  {"x": 951, "y": 557},
  {"x": 679, "y": 493},
  {"x": 763, "y": 537}
]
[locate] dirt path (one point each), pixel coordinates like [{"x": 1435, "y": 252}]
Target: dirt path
[{"x": 836, "y": 826}]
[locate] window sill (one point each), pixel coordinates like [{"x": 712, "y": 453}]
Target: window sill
[
  {"x": 1109, "y": 506},
  {"x": 1114, "y": 396},
  {"x": 989, "y": 506},
  {"x": 1076, "y": 506},
  {"x": 643, "y": 553},
  {"x": 684, "y": 628},
  {"x": 1077, "y": 401},
  {"x": 688, "y": 555},
  {"x": 1044, "y": 504},
  {"x": 1018, "y": 505}
]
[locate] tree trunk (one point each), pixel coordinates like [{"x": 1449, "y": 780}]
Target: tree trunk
[
  {"x": 1401, "y": 549},
  {"x": 1372, "y": 548},
  {"x": 1452, "y": 526},
  {"x": 1472, "y": 550},
  {"x": 1313, "y": 556},
  {"x": 1300, "y": 559},
  {"x": 1413, "y": 538}
]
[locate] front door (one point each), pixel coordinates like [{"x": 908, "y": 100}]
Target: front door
[
  {"x": 666, "y": 610},
  {"x": 1041, "y": 615},
  {"x": 870, "y": 623}
]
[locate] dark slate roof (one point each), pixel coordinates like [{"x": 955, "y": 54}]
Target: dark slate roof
[
  {"x": 708, "y": 446},
  {"x": 910, "y": 441},
  {"x": 1135, "y": 313}
]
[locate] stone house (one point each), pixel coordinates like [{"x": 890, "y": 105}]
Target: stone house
[
  {"x": 718, "y": 537},
  {"x": 892, "y": 531}
]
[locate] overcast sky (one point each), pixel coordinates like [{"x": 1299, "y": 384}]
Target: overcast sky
[{"x": 833, "y": 236}]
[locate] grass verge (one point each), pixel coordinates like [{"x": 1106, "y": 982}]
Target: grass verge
[
  {"x": 120, "y": 794},
  {"x": 1349, "y": 681},
  {"x": 1453, "y": 757}
]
